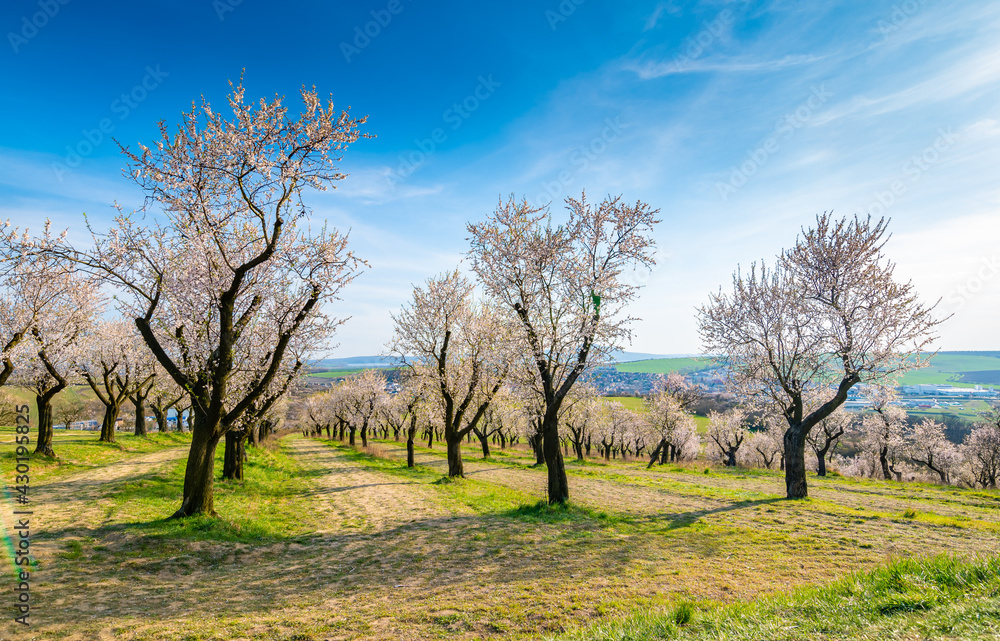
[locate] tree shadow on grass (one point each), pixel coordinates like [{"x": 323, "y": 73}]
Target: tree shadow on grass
[{"x": 688, "y": 519}]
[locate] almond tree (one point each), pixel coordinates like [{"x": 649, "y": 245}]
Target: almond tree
[
  {"x": 727, "y": 430},
  {"x": 882, "y": 439},
  {"x": 981, "y": 448},
  {"x": 767, "y": 444},
  {"x": 227, "y": 254},
  {"x": 824, "y": 437},
  {"x": 31, "y": 286},
  {"x": 413, "y": 395},
  {"x": 582, "y": 410},
  {"x": 403, "y": 409},
  {"x": 366, "y": 395},
  {"x": 928, "y": 446},
  {"x": 318, "y": 413},
  {"x": 669, "y": 415},
  {"x": 163, "y": 396},
  {"x": 500, "y": 414},
  {"x": 45, "y": 359},
  {"x": 457, "y": 346},
  {"x": 829, "y": 315},
  {"x": 674, "y": 428},
  {"x": 565, "y": 289},
  {"x": 116, "y": 365}
]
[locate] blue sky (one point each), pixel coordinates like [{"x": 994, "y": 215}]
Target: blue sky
[{"x": 739, "y": 120}]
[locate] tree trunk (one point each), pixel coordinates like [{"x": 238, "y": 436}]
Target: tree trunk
[
  {"x": 232, "y": 462},
  {"x": 820, "y": 461},
  {"x": 430, "y": 437},
  {"x": 410, "y": 433},
  {"x": 535, "y": 441},
  {"x": 199, "y": 476},
  {"x": 484, "y": 439},
  {"x": 558, "y": 484},
  {"x": 140, "y": 416},
  {"x": 453, "y": 439},
  {"x": 883, "y": 459},
  {"x": 161, "y": 419},
  {"x": 108, "y": 424},
  {"x": 352, "y": 430},
  {"x": 795, "y": 463},
  {"x": 656, "y": 453},
  {"x": 43, "y": 445}
]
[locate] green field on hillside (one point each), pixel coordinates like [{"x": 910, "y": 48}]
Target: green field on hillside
[
  {"x": 336, "y": 373},
  {"x": 946, "y": 368},
  {"x": 958, "y": 368},
  {"x": 666, "y": 365}
]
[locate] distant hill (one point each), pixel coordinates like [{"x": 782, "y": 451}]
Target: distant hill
[
  {"x": 354, "y": 362},
  {"x": 958, "y": 368},
  {"x": 946, "y": 368},
  {"x": 365, "y": 362},
  {"x": 683, "y": 365}
]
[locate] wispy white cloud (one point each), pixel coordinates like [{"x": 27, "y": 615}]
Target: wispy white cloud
[
  {"x": 654, "y": 18},
  {"x": 653, "y": 69},
  {"x": 978, "y": 70}
]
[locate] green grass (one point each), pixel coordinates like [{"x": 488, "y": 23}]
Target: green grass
[
  {"x": 337, "y": 373},
  {"x": 949, "y": 368},
  {"x": 77, "y": 451},
  {"x": 638, "y": 405},
  {"x": 633, "y": 403},
  {"x": 267, "y": 506},
  {"x": 326, "y": 541},
  {"x": 666, "y": 365},
  {"x": 932, "y": 598},
  {"x": 970, "y": 411}
]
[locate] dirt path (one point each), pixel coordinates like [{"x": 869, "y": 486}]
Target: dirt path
[
  {"x": 355, "y": 498},
  {"x": 75, "y": 500},
  {"x": 599, "y": 494}
]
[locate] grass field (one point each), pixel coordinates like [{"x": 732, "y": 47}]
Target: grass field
[
  {"x": 946, "y": 368},
  {"x": 666, "y": 365},
  {"x": 325, "y": 542},
  {"x": 337, "y": 373},
  {"x": 638, "y": 405},
  {"x": 957, "y": 369}
]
